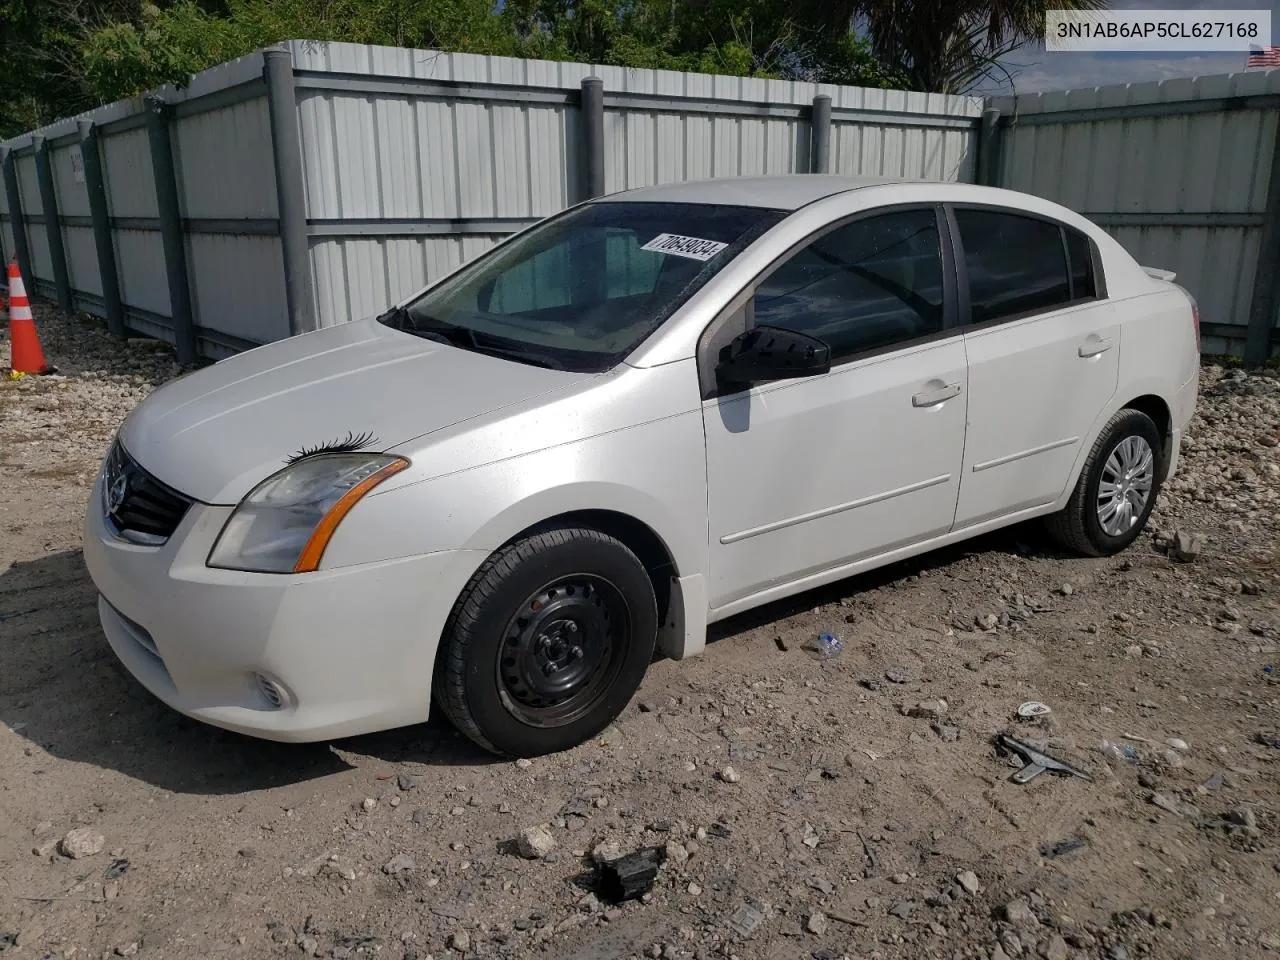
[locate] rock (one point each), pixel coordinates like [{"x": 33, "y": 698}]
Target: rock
[
  {"x": 604, "y": 852},
  {"x": 1066, "y": 589},
  {"x": 406, "y": 782},
  {"x": 898, "y": 675},
  {"x": 534, "y": 843},
  {"x": 81, "y": 842},
  {"x": 997, "y": 953},
  {"x": 127, "y": 950},
  {"x": 524, "y": 763},
  {"x": 904, "y": 909},
  {"x": 1055, "y": 948},
  {"x": 1176, "y": 744},
  {"x": 730, "y": 775},
  {"x": 817, "y": 923},
  {"x": 1165, "y": 802},
  {"x": 676, "y": 853},
  {"x": 1117, "y": 952},
  {"x": 928, "y": 709},
  {"x": 1018, "y": 913},
  {"x": 968, "y": 881},
  {"x": 946, "y": 732},
  {"x": 900, "y": 878},
  {"x": 368, "y": 804},
  {"x": 694, "y": 889},
  {"x": 1186, "y": 547},
  {"x": 400, "y": 863},
  {"x": 987, "y": 622},
  {"x": 460, "y": 940}
]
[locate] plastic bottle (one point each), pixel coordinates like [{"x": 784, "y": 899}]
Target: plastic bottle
[{"x": 825, "y": 646}]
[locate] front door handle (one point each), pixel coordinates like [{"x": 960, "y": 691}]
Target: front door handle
[
  {"x": 1094, "y": 346},
  {"x": 931, "y": 398}
]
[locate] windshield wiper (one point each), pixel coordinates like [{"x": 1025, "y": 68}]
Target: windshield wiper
[{"x": 441, "y": 331}]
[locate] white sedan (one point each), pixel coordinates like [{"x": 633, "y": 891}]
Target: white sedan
[{"x": 641, "y": 415}]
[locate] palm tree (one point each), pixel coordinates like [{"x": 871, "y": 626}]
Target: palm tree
[{"x": 942, "y": 46}]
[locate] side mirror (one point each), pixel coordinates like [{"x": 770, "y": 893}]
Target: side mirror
[{"x": 767, "y": 353}]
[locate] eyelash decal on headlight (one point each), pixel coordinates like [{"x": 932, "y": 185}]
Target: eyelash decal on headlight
[{"x": 348, "y": 444}]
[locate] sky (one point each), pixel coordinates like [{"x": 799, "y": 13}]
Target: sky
[{"x": 1036, "y": 70}]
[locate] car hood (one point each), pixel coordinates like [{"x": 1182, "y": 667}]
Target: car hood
[{"x": 216, "y": 433}]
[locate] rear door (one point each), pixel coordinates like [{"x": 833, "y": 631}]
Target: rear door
[{"x": 1043, "y": 346}]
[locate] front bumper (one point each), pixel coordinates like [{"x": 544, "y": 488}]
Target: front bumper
[{"x": 300, "y": 657}]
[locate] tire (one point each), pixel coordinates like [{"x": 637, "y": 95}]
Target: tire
[
  {"x": 1079, "y": 526},
  {"x": 564, "y": 612}
]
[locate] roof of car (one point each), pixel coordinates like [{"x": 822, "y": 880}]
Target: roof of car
[{"x": 788, "y": 192}]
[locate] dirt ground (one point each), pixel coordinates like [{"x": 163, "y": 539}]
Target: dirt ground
[{"x": 867, "y": 814}]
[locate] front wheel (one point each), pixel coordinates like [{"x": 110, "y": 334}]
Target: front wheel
[
  {"x": 547, "y": 643},
  {"x": 1116, "y": 491}
]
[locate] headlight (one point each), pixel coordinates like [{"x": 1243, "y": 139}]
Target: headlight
[{"x": 286, "y": 521}]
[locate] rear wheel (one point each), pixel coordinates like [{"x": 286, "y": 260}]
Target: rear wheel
[
  {"x": 1116, "y": 491},
  {"x": 548, "y": 642}
]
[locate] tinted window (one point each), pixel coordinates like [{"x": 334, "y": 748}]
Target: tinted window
[
  {"x": 582, "y": 290},
  {"x": 1015, "y": 264},
  {"x": 870, "y": 284},
  {"x": 1080, "y": 253}
]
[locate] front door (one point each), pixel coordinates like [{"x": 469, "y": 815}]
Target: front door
[
  {"x": 1044, "y": 359},
  {"x": 805, "y": 475}
]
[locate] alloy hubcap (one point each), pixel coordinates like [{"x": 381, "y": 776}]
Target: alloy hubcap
[
  {"x": 1125, "y": 485},
  {"x": 562, "y": 649}
]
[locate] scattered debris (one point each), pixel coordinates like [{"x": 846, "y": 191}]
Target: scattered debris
[
  {"x": 1120, "y": 752},
  {"x": 629, "y": 877},
  {"x": 118, "y": 868},
  {"x": 781, "y": 643},
  {"x": 1268, "y": 739},
  {"x": 1051, "y": 851},
  {"x": 1037, "y": 761},
  {"x": 745, "y": 920},
  {"x": 825, "y": 646},
  {"x": 1033, "y": 708}
]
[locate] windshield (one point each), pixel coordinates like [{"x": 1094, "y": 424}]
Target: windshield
[{"x": 584, "y": 289}]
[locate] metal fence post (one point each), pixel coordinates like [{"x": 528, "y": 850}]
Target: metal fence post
[
  {"x": 987, "y": 166},
  {"x": 96, "y": 188},
  {"x": 1266, "y": 276},
  {"x": 290, "y": 193},
  {"x": 593, "y": 134},
  {"x": 175, "y": 246},
  {"x": 52, "y": 224},
  {"x": 21, "y": 249},
  {"x": 820, "y": 135}
]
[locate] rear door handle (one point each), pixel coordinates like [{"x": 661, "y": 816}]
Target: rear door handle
[
  {"x": 931, "y": 398},
  {"x": 1094, "y": 346}
]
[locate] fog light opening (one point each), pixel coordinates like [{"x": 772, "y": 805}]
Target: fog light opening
[{"x": 275, "y": 694}]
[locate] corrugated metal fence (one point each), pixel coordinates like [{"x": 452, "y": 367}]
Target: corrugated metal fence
[
  {"x": 1182, "y": 172},
  {"x": 315, "y": 183}
]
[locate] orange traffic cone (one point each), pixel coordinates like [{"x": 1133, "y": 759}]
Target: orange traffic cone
[{"x": 24, "y": 342}]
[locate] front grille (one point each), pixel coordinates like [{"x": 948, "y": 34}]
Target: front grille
[{"x": 139, "y": 507}]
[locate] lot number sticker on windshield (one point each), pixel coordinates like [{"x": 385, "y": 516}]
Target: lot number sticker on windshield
[{"x": 691, "y": 247}]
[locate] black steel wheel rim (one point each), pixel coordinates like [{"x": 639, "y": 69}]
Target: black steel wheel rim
[{"x": 562, "y": 650}]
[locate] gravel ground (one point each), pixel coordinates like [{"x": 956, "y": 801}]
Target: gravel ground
[{"x": 850, "y": 808}]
